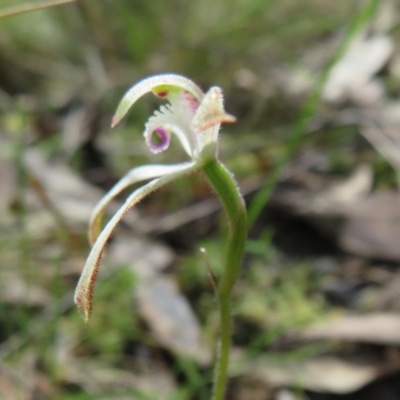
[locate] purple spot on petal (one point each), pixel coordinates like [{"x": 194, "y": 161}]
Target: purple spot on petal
[{"x": 159, "y": 140}]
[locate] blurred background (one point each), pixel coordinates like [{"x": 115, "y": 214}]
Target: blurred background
[{"x": 315, "y": 85}]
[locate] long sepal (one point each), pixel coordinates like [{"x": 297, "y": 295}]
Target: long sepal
[
  {"x": 135, "y": 175},
  {"x": 84, "y": 290}
]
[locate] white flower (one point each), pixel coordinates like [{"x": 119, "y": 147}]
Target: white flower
[{"x": 195, "y": 119}]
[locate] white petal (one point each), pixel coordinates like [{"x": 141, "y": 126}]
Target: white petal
[
  {"x": 84, "y": 290},
  {"x": 149, "y": 84},
  {"x": 135, "y": 175},
  {"x": 176, "y": 122}
]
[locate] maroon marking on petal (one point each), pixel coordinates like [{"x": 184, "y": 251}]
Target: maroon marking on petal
[
  {"x": 159, "y": 140},
  {"x": 162, "y": 94},
  {"x": 192, "y": 101}
]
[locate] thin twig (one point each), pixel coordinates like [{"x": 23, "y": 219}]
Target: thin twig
[{"x": 23, "y": 8}]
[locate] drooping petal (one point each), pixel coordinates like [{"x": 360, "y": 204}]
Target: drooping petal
[
  {"x": 135, "y": 175},
  {"x": 163, "y": 86},
  {"x": 209, "y": 116},
  {"x": 84, "y": 290}
]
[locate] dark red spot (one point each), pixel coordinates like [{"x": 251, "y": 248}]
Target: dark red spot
[{"x": 162, "y": 94}]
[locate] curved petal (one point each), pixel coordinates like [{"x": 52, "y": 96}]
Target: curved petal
[
  {"x": 84, "y": 290},
  {"x": 135, "y": 175},
  {"x": 161, "y": 86}
]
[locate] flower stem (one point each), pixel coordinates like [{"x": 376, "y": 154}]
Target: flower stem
[{"x": 232, "y": 201}]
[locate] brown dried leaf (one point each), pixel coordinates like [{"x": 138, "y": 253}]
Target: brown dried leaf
[
  {"x": 147, "y": 258},
  {"x": 352, "y": 189},
  {"x": 15, "y": 290},
  {"x": 11, "y": 389},
  {"x": 380, "y": 328},
  {"x": 96, "y": 377},
  {"x": 171, "y": 318},
  {"x": 308, "y": 193},
  {"x": 364, "y": 224},
  {"x": 73, "y": 198},
  {"x": 247, "y": 387},
  {"x": 372, "y": 227},
  {"x": 64, "y": 193},
  {"x": 323, "y": 374},
  {"x": 352, "y": 76},
  {"x": 18, "y": 379}
]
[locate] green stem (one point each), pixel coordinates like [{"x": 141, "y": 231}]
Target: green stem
[{"x": 232, "y": 201}]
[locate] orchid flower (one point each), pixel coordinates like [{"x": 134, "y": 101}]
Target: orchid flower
[{"x": 194, "y": 118}]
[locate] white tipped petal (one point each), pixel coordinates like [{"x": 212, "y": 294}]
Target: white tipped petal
[
  {"x": 84, "y": 290},
  {"x": 135, "y": 175}
]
